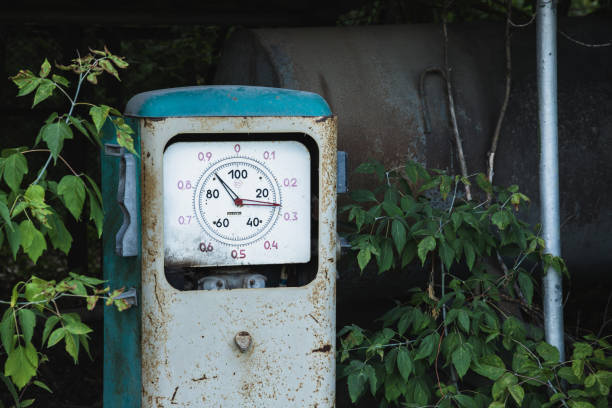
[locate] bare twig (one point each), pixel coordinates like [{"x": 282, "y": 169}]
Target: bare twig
[
  {"x": 531, "y": 20},
  {"x": 608, "y": 44},
  {"x": 60, "y": 157},
  {"x": 451, "y": 108},
  {"x": 502, "y": 112}
]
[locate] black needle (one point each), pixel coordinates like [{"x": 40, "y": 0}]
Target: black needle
[{"x": 227, "y": 188}]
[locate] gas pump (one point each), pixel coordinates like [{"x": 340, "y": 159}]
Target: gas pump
[{"x": 223, "y": 230}]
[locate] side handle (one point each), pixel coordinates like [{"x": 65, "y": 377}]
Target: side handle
[{"x": 126, "y": 242}]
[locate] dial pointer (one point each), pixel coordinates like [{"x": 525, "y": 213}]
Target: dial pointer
[
  {"x": 244, "y": 201},
  {"x": 231, "y": 193}
]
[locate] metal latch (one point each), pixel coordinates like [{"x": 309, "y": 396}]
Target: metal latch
[
  {"x": 126, "y": 242},
  {"x": 130, "y": 296},
  {"x": 342, "y": 180}
]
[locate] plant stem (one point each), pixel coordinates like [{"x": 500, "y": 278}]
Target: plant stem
[
  {"x": 72, "y": 105},
  {"x": 451, "y": 108},
  {"x": 502, "y": 112}
]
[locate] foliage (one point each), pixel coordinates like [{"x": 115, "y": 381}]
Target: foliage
[
  {"x": 32, "y": 212},
  {"x": 462, "y": 342}
]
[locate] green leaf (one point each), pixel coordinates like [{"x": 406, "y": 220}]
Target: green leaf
[
  {"x": 56, "y": 336},
  {"x": 426, "y": 347},
  {"x": 32, "y": 240},
  {"x": 13, "y": 237},
  {"x": 54, "y": 135},
  {"x": 95, "y": 212},
  {"x": 77, "y": 327},
  {"x": 483, "y": 182},
  {"x": 108, "y": 67},
  {"x": 58, "y": 234},
  {"x": 30, "y": 86},
  {"x": 462, "y": 357},
  {"x": 15, "y": 167},
  {"x": 21, "y": 365},
  {"x": 363, "y": 258},
  {"x": 42, "y": 385},
  {"x": 581, "y": 404},
  {"x": 7, "y": 330},
  {"x": 44, "y": 91},
  {"x": 489, "y": 366},
  {"x": 518, "y": 393},
  {"x": 426, "y": 245},
  {"x": 502, "y": 219},
  {"x": 582, "y": 350},
  {"x": 404, "y": 363},
  {"x": 49, "y": 325},
  {"x": 398, "y": 232},
  {"x": 385, "y": 259},
  {"x": 526, "y": 285},
  {"x": 465, "y": 401},
  {"x": 4, "y": 213},
  {"x": 370, "y": 373},
  {"x": 119, "y": 62},
  {"x": 549, "y": 353},
  {"x": 464, "y": 320},
  {"x": 578, "y": 367},
  {"x": 393, "y": 387},
  {"x": 60, "y": 80},
  {"x": 99, "y": 115},
  {"x": 392, "y": 209},
  {"x": 45, "y": 69},
  {"x": 76, "y": 122},
  {"x": 362, "y": 196},
  {"x": 446, "y": 254},
  {"x": 27, "y": 321},
  {"x": 356, "y": 382},
  {"x": 72, "y": 190},
  {"x": 506, "y": 380}
]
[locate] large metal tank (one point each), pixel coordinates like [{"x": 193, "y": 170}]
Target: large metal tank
[{"x": 370, "y": 77}]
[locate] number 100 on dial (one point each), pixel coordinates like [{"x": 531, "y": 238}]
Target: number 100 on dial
[{"x": 236, "y": 203}]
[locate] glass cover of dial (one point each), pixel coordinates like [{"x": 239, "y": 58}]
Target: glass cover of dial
[{"x": 236, "y": 203}]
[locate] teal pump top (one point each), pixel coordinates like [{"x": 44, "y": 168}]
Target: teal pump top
[{"x": 226, "y": 100}]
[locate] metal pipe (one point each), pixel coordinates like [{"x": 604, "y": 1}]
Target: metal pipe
[{"x": 549, "y": 167}]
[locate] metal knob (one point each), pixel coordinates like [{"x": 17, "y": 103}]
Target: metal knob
[{"x": 243, "y": 340}]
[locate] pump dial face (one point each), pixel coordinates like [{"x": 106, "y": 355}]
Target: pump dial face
[{"x": 236, "y": 203}]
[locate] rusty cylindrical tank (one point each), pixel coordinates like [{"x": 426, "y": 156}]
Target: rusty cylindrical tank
[{"x": 370, "y": 77}]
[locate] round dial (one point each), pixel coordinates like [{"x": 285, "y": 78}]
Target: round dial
[{"x": 237, "y": 200}]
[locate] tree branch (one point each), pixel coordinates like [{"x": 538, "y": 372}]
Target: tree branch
[{"x": 502, "y": 112}]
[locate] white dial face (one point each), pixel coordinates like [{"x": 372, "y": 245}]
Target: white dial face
[{"x": 236, "y": 203}]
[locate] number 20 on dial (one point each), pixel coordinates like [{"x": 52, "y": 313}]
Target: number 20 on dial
[{"x": 248, "y": 202}]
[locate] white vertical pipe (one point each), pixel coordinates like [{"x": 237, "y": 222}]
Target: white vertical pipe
[{"x": 549, "y": 167}]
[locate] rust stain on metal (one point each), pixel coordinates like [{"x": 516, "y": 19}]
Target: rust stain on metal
[
  {"x": 202, "y": 378},
  {"x": 323, "y": 349},
  {"x": 174, "y": 395}
]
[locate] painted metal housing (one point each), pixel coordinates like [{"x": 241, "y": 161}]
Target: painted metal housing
[{"x": 190, "y": 341}]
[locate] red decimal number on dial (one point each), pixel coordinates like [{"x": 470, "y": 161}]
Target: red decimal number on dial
[
  {"x": 204, "y": 156},
  {"x": 290, "y": 182},
  {"x": 269, "y": 155},
  {"x": 238, "y": 253},
  {"x": 184, "y": 185},
  {"x": 184, "y": 220},
  {"x": 269, "y": 245},
  {"x": 204, "y": 247},
  {"x": 290, "y": 216}
]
